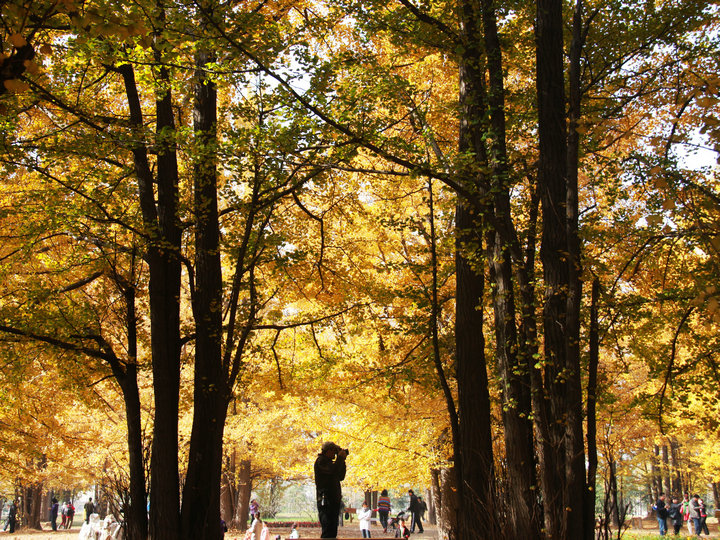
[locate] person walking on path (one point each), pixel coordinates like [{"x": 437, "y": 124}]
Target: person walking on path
[
  {"x": 662, "y": 514},
  {"x": 70, "y": 515},
  {"x": 12, "y": 516},
  {"x": 330, "y": 469},
  {"x": 675, "y": 514},
  {"x": 383, "y": 509},
  {"x": 89, "y": 510},
  {"x": 703, "y": 517},
  {"x": 414, "y": 510},
  {"x": 54, "y": 507},
  {"x": 695, "y": 513}
]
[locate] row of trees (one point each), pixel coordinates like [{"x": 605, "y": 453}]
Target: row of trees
[{"x": 231, "y": 207}]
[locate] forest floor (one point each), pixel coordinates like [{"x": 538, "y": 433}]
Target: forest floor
[
  {"x": 649, "y": 530},
  {"x": 349, "y": 531}
]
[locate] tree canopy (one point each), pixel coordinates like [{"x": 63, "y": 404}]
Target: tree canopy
[{"x": 478, "y": 237}]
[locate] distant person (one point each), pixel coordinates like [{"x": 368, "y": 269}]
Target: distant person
[
  {"x": 364, "y": 514},
  {"x": 54, "y": 508},
  {"x": 703, "y": 517},
  {"x": 257, "y": 531},
  {"x": 695, "y": 513},
  {"x": 414, "y": 510},
  {"x": 330, "y": 470},
  {"x": 89, "y": 510},
  {"x": 686, "y": 512},
  {"x": 423, "y": 507},
  {"x": 12, "y": 516},
  {"x": 294, "y": 531},
  {"x": 676, "y": 515},
  {"x": 63, "y": 515},
  {"x": 383, "y": 509},
  {"x": 661, "y": 513},
  {"x": 254, "y": 510},
  {"x": 70, "y": 515}
]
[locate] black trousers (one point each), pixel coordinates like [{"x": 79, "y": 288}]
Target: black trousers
[
  {"x": 329, "y": 515},
  {"x": 416, "y": 521}
]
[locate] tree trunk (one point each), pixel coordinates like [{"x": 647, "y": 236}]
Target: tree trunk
[
  {"x": 564, "y": 512},
  {"x": 656, "y": 473},
  {"x": 32, "y": 503},
  {"x": 474, "y": 462},
  {"x": 677, "y": 486},
  {"x": 445, "y": 500},
  {"x": 578, "y": 490},
  {"x": 523, "y": 516},
  {"x": 162, "y": 227},
  {"x": 244, "y": 491},
  {"x": 593, "y": 363},
  {"x": 201, "y": 493}
]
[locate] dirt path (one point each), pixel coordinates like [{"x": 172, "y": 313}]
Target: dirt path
[{"x": 343, "y": 532}]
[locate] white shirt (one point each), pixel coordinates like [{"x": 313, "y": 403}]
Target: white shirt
[{"x": 364, "y": 517}]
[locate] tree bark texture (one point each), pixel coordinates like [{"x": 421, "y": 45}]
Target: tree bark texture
[
  {"x": 163, "y": 257},
  {"x": 201, "y": 493},
  {"x": 564, "y": 513},
  {"x": 523, "y": 513},
  {"x": 473, "y": 451},
  {"x": 445, "y": 499}
]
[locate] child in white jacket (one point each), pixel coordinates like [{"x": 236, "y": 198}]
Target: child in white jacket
[{"x": 364, "y": 514}]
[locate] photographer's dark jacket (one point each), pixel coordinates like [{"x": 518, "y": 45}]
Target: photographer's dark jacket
[{"x": 328, "y": 475}]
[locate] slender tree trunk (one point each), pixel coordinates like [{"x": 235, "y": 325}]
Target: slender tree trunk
[
  {"x": 656, "y": 473},
  {"x": 613, "y": 487},
  {"x": 666, "y": 471},
  {"x": 578, "y": 490},
  {"x": 473, "y": 452},
  {"x": 677, "y": 487},
  {"x": 244, "y": 490},
  {"x": 163, "y": 256},
  {"x": 593, "y": 363},
  {"x": 562, "y": 372},
  {"x": 201, "y": 493},
  {"x": 522, "y": 511}
]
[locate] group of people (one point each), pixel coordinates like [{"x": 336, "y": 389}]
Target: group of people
[
  {"x": 66, "y": 513},
  {"x": 690, "y": 510},
  {"x": 11, "y": 522},
  {"x": 330, "y": 469}
]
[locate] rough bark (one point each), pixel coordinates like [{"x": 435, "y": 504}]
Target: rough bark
[
  {"x": 201, "y": 492},
  {"x": 565, "y": 446},
  {"x": 244, "y": 490},
  {"x": 523, "y": 516},
  {"x": 473, "y": 451},
  {"x": 162, "y": 228},
  {"x": 677, "y": 486},
  {"x": 575, "y": 450},
  {"x": 593, "y": 363},
  {"x": 445, "y": 499}
]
